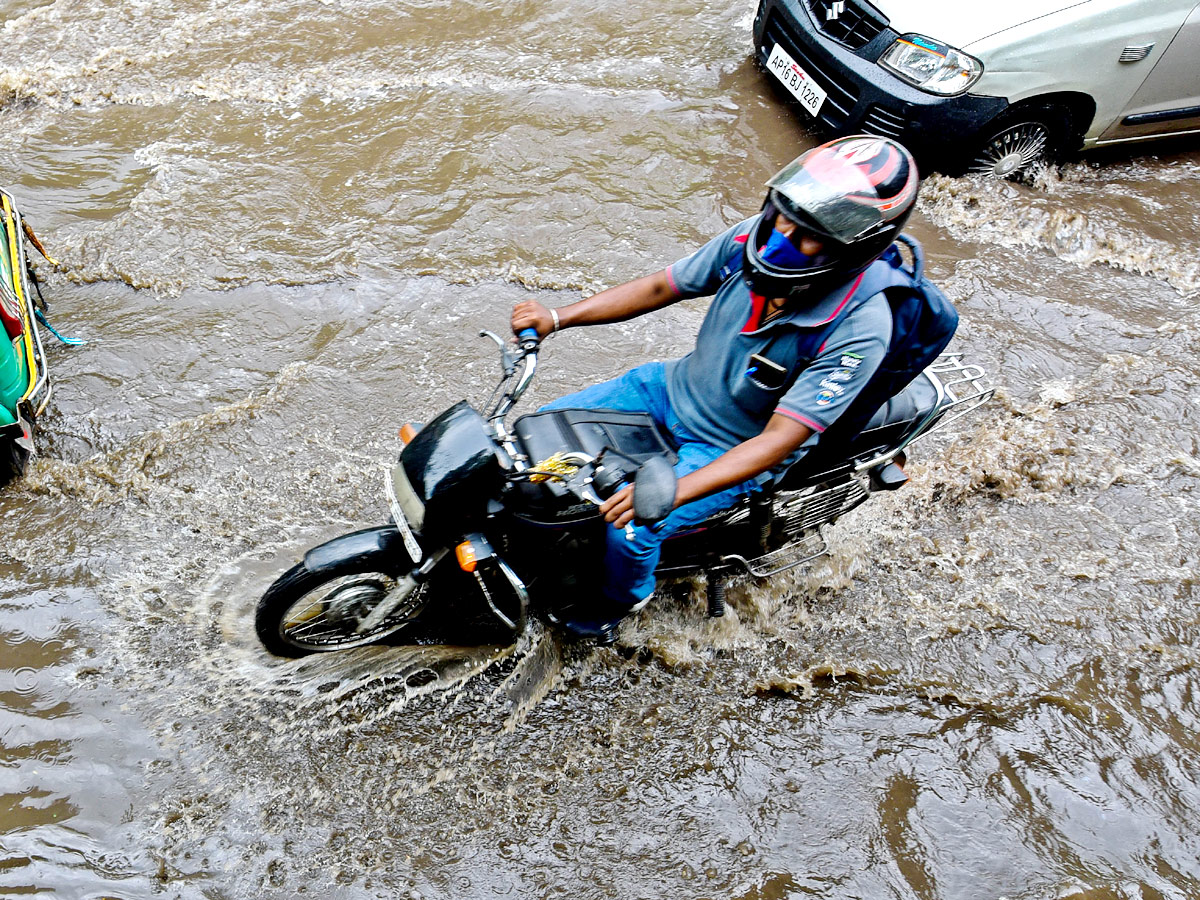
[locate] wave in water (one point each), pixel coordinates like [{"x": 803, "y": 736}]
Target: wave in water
[{"x": 1016, "y": 216}]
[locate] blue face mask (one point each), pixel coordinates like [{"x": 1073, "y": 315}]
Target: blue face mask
[{"x": 781, "y": 252}]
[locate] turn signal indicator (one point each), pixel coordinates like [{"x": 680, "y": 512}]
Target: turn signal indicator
[{"x": 465, "y": 553}]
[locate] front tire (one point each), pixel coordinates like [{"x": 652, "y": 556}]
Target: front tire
[{"x": 308, "y": 611}]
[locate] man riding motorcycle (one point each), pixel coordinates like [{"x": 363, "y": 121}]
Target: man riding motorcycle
[{"x": 791, "y": 336}]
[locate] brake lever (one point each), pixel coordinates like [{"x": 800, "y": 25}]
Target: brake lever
[
  {"x": 508, "y": 359},
  {"x": 592, "y": 496},
  {"x": 588, "y": 493}
]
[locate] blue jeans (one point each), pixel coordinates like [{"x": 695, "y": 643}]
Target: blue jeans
[{"x": 629, "y": 563}]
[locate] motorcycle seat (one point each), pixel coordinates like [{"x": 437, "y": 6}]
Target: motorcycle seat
[
  {"x": 892, "y": 423},
  {"x": 634, "y": 437},
  {"x": 904, "y": 410},
  {"x": 632, "y": 434}
]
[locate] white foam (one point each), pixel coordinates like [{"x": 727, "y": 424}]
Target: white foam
[{"x": 1010, "y": 215}]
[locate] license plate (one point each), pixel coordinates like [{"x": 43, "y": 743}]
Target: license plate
[
  {"x": 810, "y": 94},
  {"x": 406, "y": 533}
]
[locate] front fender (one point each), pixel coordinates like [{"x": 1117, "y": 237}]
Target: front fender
[{"x": 382, "y": 545}]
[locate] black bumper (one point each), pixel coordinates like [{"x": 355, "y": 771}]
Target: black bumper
[{"x": 863, "y": 97}]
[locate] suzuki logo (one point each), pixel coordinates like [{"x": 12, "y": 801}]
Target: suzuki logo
[{"x": 835, "y": 9}]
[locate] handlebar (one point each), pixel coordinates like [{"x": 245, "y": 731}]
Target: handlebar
[{"x": 524, "y": 356}]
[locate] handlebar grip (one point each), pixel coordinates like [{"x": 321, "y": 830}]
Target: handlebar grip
[{"x": 528, "y": 339}]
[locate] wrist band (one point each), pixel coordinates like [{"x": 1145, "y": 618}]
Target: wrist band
[{"x": 554, "y": 316}]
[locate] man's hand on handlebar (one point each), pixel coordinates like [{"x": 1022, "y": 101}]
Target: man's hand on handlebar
[
  {"x": 618, "y": 509},
  {"x": 531, "y": 314}
]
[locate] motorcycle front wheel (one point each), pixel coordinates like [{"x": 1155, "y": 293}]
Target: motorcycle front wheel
[{"x": 320, "y": 611}]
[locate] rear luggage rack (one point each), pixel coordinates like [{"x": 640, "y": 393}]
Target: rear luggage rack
[
  {"x": 799, "y": 516},
  {"x": 966, "y": 387}
]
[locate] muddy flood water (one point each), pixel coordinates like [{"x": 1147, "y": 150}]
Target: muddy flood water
[{"x": 281, "y": 226}]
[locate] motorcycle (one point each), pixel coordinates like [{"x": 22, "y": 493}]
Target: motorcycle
[
  {"x": 24, "y": 380},
  {"x": 493, "y": 523}
]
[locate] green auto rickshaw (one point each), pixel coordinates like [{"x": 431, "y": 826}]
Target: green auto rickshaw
[{"x": 24, "y": 381}]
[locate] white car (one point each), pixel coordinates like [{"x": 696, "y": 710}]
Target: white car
[{"x": 983, "y": 88}]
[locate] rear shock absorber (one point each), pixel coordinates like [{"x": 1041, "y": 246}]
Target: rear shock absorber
[
  {"x": 716, "y": 594},
  {"x": 761, "y": 511}
]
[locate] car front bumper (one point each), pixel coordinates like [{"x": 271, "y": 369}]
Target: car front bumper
[{"x": 863, "y": 97}]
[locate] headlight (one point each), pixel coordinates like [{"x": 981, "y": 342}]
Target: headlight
[{"x": 937, "y": 68}]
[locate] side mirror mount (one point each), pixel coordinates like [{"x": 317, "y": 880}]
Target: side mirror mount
[{"x": 654, "y": 490}]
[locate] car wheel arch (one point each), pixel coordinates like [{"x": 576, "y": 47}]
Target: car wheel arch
[{"x": 1048, "y": 124}]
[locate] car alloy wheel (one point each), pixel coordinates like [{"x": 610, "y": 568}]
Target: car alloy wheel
[{"x": 1012, "y": 150}]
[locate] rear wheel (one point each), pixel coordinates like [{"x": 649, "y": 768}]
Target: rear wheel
[
  {"x": 323, "y": 611},
  {"x": 1021, "y": 139}
]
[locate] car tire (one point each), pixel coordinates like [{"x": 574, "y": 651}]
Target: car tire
[
  {"x": 1019, "y": 140},
  {"x": 13, "y": 461}
]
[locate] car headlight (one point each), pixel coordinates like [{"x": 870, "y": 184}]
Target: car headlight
[{"x": 931, "y": 66}]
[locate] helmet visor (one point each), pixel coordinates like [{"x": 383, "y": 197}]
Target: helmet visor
[{"x": 837, "y": 199}]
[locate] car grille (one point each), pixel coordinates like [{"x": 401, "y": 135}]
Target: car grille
[
  {"x": 841, "y": 94},
  {"x": 883, "y": 122},
  {"x": 845, "y": 21}
]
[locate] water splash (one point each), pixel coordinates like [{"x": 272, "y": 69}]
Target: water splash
[{"x": 1011, "y": 215}]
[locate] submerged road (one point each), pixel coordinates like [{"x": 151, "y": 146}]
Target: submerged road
[{"x": 282, "y": 226}]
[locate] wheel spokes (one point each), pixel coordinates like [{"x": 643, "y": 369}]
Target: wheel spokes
[
  {"x": 1015, "y": 149},
  {"x": 299, "y": 615},
  {"x": 329, "y": 615}
]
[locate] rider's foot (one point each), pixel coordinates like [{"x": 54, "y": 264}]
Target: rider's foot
[
  {"x": 603, "y": 633},
  {"x": 597, "y": 620},
  {"x": 593, "y": 620}
]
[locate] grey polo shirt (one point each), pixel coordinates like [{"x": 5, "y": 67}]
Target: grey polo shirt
[{"x": 725, "y": 391}]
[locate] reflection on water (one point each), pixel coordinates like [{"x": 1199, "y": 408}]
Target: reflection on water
[{"x": 283, "y": 226}]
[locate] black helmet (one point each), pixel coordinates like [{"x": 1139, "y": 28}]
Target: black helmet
[{"x": 854, "y": 194}]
